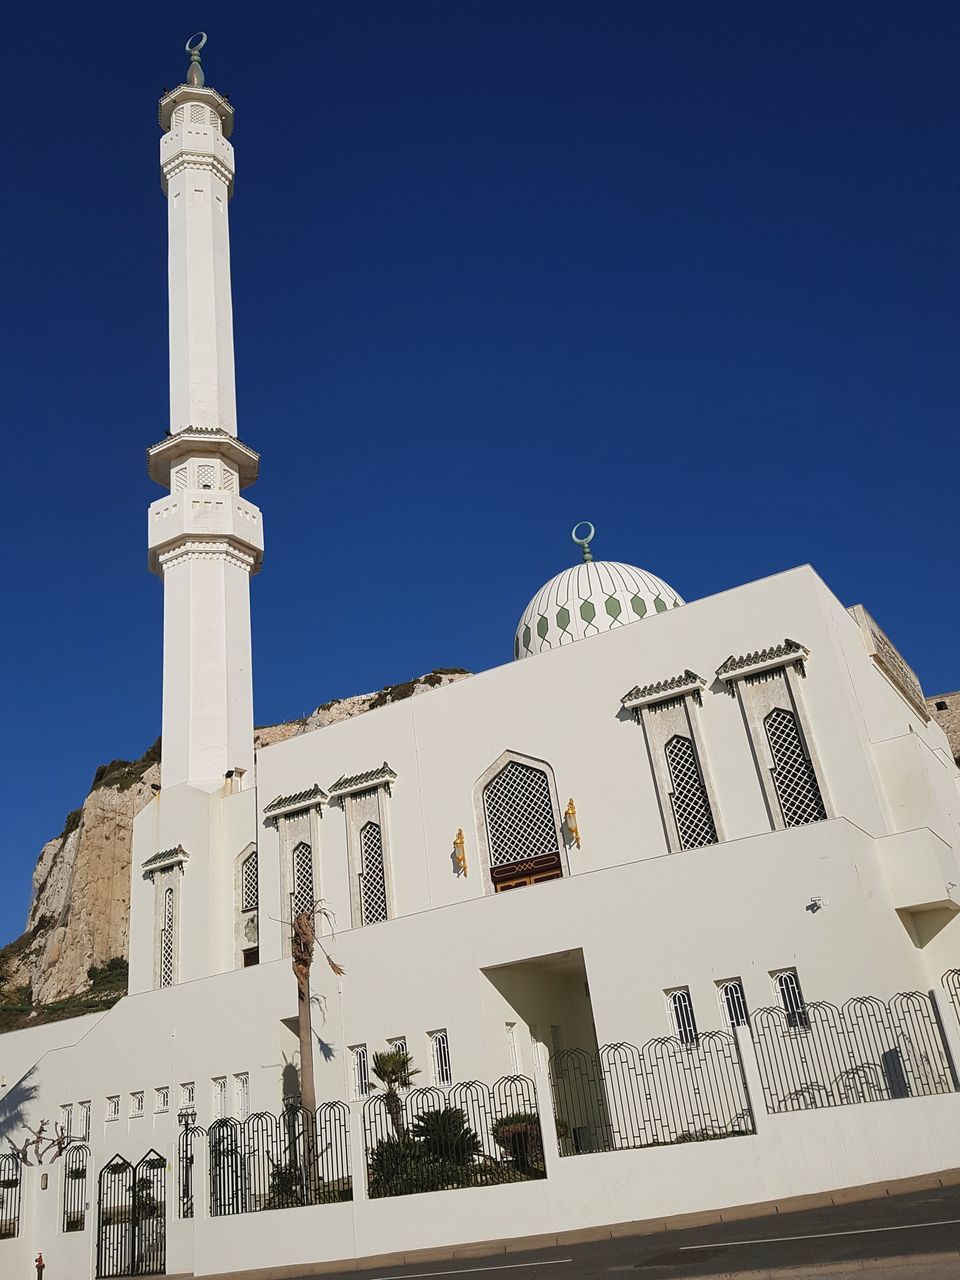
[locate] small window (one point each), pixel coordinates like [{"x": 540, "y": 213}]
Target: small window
[
  {"x": 691, "y": 806},
  {"x": 398, "y": 1044},
  {"x": 440, "y": 1057},
  {"x": 302, "y": 898},
  {"x": 373, "y": 887},
  {"x": 681, "y": 1007},
  {"x": 734, "y": 1003},
  {"x": 66, "y": 1118},
  {"x": 513, "y": 1048},
  {"x": 941, "y": 705},
  {"x": 83, "y": 1121},
  {"x": 188, "y": 1094},
  {"x": 136, "y": 1104},
  {"x": 241, "y": 1095},
  {"x": 360, "y": 1082},
  {"x": 249, "y": 883},
  {"x": 250, "y": 956},
  {"x": 113, "y": 1106},
  {"x": 161, "y": 1100},
  {"x": 167, "y": 941},
  {"x": 218, "y": 1088},
  {"x": 787, "y": 986}
]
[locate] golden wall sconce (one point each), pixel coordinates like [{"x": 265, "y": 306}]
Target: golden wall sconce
[
  {"x": 570, "y": 818},
  {"x": 459, "y": 853}
]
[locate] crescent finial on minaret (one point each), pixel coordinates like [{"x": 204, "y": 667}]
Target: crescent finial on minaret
[{"x": 195, "y": 70}]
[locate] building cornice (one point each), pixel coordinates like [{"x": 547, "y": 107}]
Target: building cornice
[
  {"x": 349, "y": 785},
  {"x": 189, "y": 159},
  {"x": 688, "y": 682},
  {"x": 890, "y": 660},
  {"x": 313, "y": 797},
  {"x": 207, "y": 549},
  {"x": 787, "y": 653},
  {"x": 195, "y": 93}
]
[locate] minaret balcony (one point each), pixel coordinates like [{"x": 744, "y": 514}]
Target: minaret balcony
[{"x": 204, "y": 515}]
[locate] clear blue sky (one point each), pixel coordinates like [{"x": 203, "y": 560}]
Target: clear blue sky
[{"x": 688, "y": 270}]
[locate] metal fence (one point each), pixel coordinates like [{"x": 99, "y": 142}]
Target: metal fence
[
  {"x": 464, "y": 1135},
  {"x": 951, "y": 984},
  {"x": 276, "y": 1161},
  {"x": 662, "y": 1092},
  {"x": 76, "y": 1162},
  {"x": 131, "y": 1217},
  {"x": 866, "y": 1050},
  {"x": 10, "y": 1175},
  {"x": 190, "y": 1135}
]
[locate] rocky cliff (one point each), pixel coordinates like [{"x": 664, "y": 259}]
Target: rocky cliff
[{"x": 80, "y": 907}]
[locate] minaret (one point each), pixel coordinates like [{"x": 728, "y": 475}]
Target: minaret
[{"x": 204, "y": 539}]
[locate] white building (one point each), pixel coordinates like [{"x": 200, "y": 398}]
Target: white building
[{"x": 732, "y": 820}]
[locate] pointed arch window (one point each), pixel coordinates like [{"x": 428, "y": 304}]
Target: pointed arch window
[
  {"x": 793, "y": 774},
  {"x": 373, "y": 888},
  {"x": 302, "y": 898},
  {"x": 247, "y": 921},
  {"x": 688, "y": 797},
  {"x": 681, "y": 1006},
  {"x": 249, "y": 883},
  {"x": 520, "y": 817},
  {"x": 167, "y": 940}
]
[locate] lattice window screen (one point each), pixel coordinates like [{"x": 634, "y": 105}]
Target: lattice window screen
[
  {"x": 793, "y": 774},
  {"x": 179, "y": 479},
  {"x": 206, "y": 475},
  {"x": 373, "y": 887},
  {"x": 214, "y": 118},
  {"x": 691, "y": 807},
  {"x": 229, "y": 480},
  {"x": 167, "y": 941},
  {"x": 197, "y": 114},
  {"x": 302, "y": 898},
  {"x": 519, "y": 814},
  {"x": 249, "y": 884}
]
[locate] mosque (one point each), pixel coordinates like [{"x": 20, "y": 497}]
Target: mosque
[{"x": 681, "y": 870}]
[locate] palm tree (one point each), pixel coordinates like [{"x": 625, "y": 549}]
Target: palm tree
[{"x": 394, "y": 1069}]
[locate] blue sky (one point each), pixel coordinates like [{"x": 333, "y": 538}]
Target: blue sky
[{"x": 687, "y": 270}]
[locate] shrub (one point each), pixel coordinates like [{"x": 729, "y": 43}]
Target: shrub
[{"x": 519, "y": 1135}]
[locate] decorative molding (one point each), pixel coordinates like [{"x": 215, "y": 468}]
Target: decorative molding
[
  {"x": 166, "y": 859},
  {"x": 197, "y": 549},
  {"x": 890, "y": 660},
  {"x": 197, "y": 442},
  {"x": 345, "y": 786},
  {"x": 314, "y": 795},
  {"x": 186, "y": 159},
  {"x": 195, "y": 93},
  {"x": 688, "y": 682},
  {"x": 787, "y": 653}
]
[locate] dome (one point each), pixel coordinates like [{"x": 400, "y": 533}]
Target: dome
[{"x": 595, "y": 596}]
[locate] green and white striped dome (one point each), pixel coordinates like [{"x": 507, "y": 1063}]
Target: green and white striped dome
[{"x": 596, "y": 596}]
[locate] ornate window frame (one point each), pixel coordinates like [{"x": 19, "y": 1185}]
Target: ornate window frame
[
  {"x": 165, "y": 870},
  {"x": 297, "y": 818},
  {"x": 762, "y": 682},
  {"x": 666, "y": 710},
  {"x": 480, "y": 817},
  {"x": 246, "y": 919},
  {"x": 363, "y": 800}
]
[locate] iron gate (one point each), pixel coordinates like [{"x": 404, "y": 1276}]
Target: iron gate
[
  {"x": 9, "y": 1197},
  {"x": 131, "y": 1217}
]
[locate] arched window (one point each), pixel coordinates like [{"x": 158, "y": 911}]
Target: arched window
[
  {"x": 167, "y": 941},
  {"x": 249, "y": 884},
  {"x": 373, "y": 888},
  {"x": 522, "y": 837},
  {"x": 691, "y": 807},
  {"x": 302, "y": 898},
  {"x": 682, "y": 1008},
  {"x": 734, "y": 1003},
  {"x": 793, "y": 774},
  {"x": 791, "y": 997}
]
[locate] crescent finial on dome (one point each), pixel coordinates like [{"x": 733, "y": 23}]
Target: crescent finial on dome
[{"x": 584, "y": 542}]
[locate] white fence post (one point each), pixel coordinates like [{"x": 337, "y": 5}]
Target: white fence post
[
  {"x": 747, "y": 1053},
  {"x": 358, "y": 1153},
  {"x": 548, "y": 1121},
  {"x": 946, "y": 1014}
]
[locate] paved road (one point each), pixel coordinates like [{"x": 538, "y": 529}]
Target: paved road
[{"x": 919, "y": 1224}]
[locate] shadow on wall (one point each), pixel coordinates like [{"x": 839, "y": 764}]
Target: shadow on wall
[{"x": 13, "y": 1107}]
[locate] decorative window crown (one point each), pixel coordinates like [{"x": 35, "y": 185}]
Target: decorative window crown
[
  {"x": 688, "y": 682},
  {"x": 350, "y": 784},
  {"x": 167, "y": 858},
  {"x": 314, "y": 795},
  {"x": 787, "y": 653}
]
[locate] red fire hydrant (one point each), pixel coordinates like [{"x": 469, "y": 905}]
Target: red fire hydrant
[{"x": 40, "y": 1265}]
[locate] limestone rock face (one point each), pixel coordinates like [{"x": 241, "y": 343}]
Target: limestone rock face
[{"x": 80, "y": 908}]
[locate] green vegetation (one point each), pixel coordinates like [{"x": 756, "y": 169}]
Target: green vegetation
[
  {"x": 124, "y": 774},
  {"x": 17, "y": 1010},
  {"x": 396, "y": 692}
]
